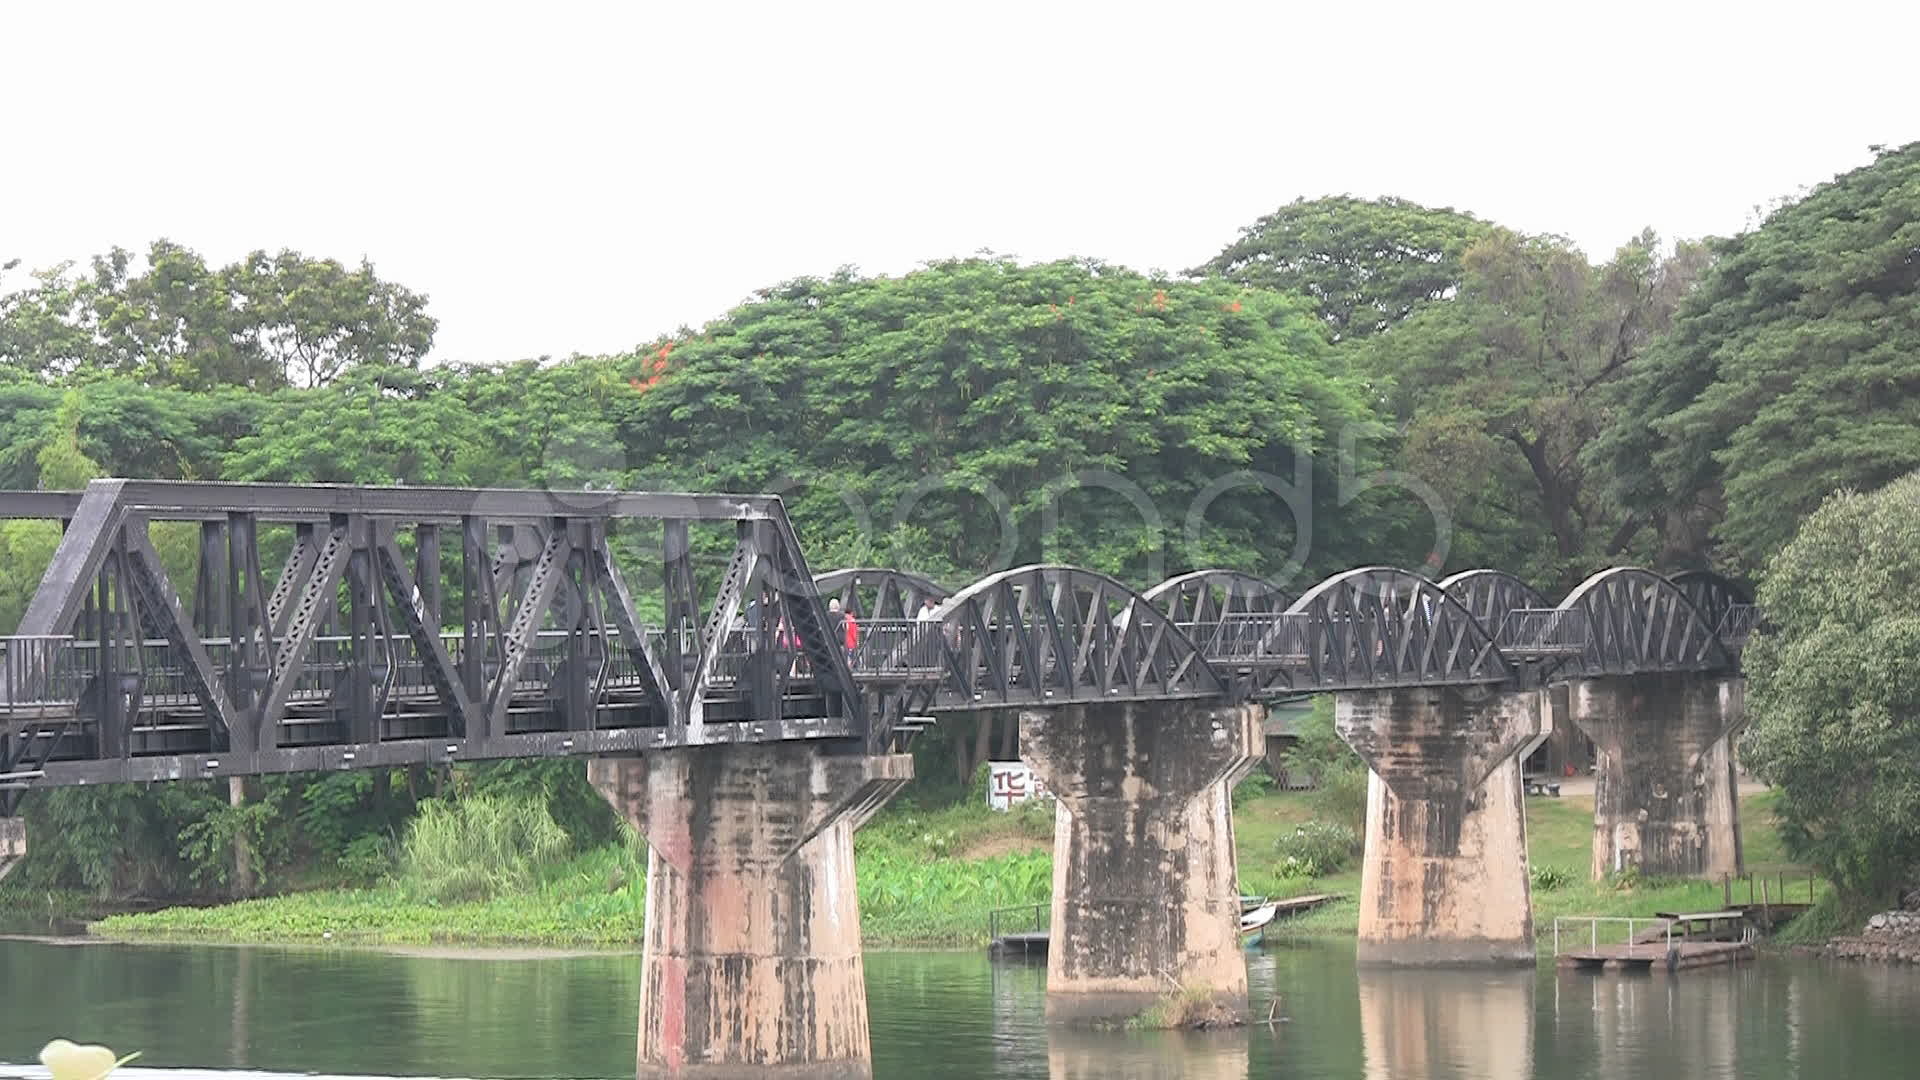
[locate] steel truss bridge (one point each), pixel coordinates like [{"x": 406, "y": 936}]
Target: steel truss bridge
[{"x": 348, "y": 656}]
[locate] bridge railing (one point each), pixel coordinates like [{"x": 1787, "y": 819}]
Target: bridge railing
[
  {"x": 36, "y": 673},
  {"x": 1737, "y": 625},
  {"x": 1277, "y": 638},
  {"x": 902, "y": 647},
  {"x": 1543, "y": 633}
]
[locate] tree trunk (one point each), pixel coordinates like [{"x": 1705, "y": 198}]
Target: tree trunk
[
  {"x": 1554, "y": 497},
  {"x": 243, "y": 877}
]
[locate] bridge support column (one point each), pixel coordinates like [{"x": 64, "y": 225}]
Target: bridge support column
[
  {"x": 752, "y": 963},
  {"x": 1145, "y": 899},
  {"x": 13, "y": 844},
  {"x": 1665, "y": 797},
  {"x": 1444, "y": 881}
]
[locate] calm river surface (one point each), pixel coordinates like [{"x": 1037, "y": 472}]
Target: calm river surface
[{"x": 948, "y": 1016}]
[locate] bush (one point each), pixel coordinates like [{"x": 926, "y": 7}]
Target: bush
[
  {"x": 1548, "y": 878},
  {"x": 1834, "y": 687},
  {"x": 1341, "y": 795},
  {"x": 367, "y": 859},
  {"x": 1316, "y": 849},
  {"x": 1340, "y": 777},
  {"x": 478, "y": 847},
  {"x": 1259, "y": 782}
]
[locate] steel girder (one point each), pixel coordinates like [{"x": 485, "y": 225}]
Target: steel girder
[
  {"x": 344, "y": 658},
  {"x": 870, "y": 592},
  {"x": 1642, "y": 622},
  {"x": 1381, "y": 627},
  {"x": 348, "y": 651},
  {"x": 1230, "y": 615},
  {"x": 1035, "y": 637},
  {"x": 1725, "y": 604}
]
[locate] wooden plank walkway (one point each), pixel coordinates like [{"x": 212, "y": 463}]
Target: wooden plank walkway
[{"x": 1652, "y": 957}]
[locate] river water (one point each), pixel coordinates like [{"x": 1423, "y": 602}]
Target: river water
[{"x": 193, "y": 1010}]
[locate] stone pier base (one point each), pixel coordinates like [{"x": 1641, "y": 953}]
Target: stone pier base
[
  {"x": 1444, "y": 881},
  {"x": 1145, "y": 895},
  {"x": 13, "y": 844},
  {"x": 1665, "y": 797},
  {"x": 752, "y": 963}
]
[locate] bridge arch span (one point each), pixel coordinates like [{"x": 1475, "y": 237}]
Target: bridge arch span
[
  {"x": 1380, "y": 626},
  {"x": 1203, "y": 596},
  {"x": 874, "y": 592},
  {"x": 1050, "y": 635},
  {"x": 1490, "y": 594},
  {"x": 1638, "y": 621}
]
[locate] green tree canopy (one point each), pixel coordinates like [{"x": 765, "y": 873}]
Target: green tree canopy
[
  {"x": 1498, "y": 391},
  {"x": 897, "y": 413},
  {"x": 1792, "y": 371},
  {"x": 1365, "y": 264},
  {"x": 1834, "y": 689},
  {"x": 264, "y": 322}
]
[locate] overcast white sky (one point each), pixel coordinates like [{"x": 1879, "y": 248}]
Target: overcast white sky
[{"x": 562, "y": 176}]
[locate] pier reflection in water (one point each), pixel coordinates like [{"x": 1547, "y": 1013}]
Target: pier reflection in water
[
  {"x": 1423, "y": 1025},
  {"x": 955, "y": 1016}
]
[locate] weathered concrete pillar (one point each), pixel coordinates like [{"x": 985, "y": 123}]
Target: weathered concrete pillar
[
  {"x": 13, "y": 844},
  {"x": 752, "y": 959},
  {"x": 1145, "y": 895},
  {"x": 1665, "y": 796},
  {"x": 1444, "y": 878}
]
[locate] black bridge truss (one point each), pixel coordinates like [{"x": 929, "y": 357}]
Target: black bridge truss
[{"x": 348, "y": 656}]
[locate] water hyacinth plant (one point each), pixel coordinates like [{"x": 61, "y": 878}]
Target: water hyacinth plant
[{"x": 68, "y": 1061}]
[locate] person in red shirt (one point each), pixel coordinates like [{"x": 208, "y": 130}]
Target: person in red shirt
[{"x": 845, "y": 623}]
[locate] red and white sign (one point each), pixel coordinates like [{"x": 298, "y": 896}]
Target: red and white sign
[{"x": 1010, "y": 782}]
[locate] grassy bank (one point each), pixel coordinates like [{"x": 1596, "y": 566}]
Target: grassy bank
[{"x": 926, "y": 878}]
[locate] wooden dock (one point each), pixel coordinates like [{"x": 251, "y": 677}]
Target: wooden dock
[
  {"x": 1654, "y": 957},
  {"x": 1667, "y": 943}
]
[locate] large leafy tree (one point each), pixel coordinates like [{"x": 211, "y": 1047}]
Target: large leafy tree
[
  {"x": 1834, "y": 689},
  {"x": 1365, "y": 264},
  {"x": 1499, "y": 391},
  {"x": 979, "y": 413},
  {"x": 173, "y": 320},
  {"x": 1793, "y": 370}
]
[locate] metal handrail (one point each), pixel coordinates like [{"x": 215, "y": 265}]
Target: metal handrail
[
  {"x": 1593, "y": 926},
  {"x": 1032, "y": 911}
]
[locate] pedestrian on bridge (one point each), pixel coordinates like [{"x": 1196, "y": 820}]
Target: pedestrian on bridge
[{"x": 845, "y": 624}]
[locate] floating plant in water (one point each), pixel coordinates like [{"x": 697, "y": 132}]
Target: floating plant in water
[{"x": 66, "y": 1061}]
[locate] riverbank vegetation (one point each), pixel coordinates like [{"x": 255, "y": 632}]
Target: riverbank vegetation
[
  {"x": 926, "y": 878},
  {"x": 1417, "y": 385}
]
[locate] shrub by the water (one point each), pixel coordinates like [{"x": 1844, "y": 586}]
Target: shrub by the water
[
  {"x": 1316, "y": 848},
  {"x": 478, "y": 847}
]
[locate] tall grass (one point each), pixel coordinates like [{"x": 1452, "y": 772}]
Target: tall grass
[{"x": 478, "y": 847}]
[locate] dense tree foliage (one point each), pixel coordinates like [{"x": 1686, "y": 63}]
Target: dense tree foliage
[
  {"x": 1500, "y": 388},
  {"x": 1364, "y": 264},
  {"x": 977, "y": 414},
  {"x": 172, "y": 320},
  {"x": 1792, "y": 371},
  {"x": 1834, "y": 689}
]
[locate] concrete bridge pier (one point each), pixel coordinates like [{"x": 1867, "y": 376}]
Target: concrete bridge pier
[
  {"x": 1444, "y": 877},
  {"x": 1145, "y": 896},
  {"x": 752, "y": 963},
  {"x": 1665, "y": 795},
  {"x": 13, "y": 844}
]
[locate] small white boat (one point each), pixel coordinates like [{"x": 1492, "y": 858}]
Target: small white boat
[{"x": 1256, "y": 920}]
